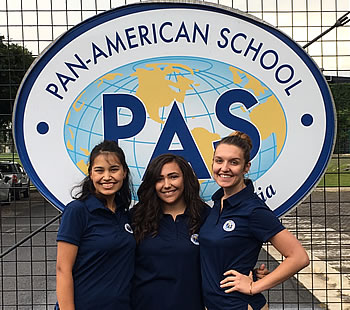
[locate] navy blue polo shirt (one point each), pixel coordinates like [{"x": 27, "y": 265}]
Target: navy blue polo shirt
[
  {"x": 167, "y": 271},
  {"x": 104, "y": 265},
  {"x": 232, "y": 239}
]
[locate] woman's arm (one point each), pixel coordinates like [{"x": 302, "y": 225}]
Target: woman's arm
[
  {"x": 296, "y": 259},
  {"x": 66, "y": 255}
]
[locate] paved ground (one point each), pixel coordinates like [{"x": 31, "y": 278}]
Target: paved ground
[{"x": 321, "y": 223}]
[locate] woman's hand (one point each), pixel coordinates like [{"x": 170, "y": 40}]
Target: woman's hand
[
  {"x": 236, "y": 281},
  {"x": 261, "y": 272}
]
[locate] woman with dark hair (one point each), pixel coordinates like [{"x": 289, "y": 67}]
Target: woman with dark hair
[
  {"x": 234, "y": 231},
  {"x": 87, "y": 187},
  {"x": 96, "y": 247},
  {"x": 166, "y": 222}
]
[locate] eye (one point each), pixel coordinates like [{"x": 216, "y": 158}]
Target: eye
[
  {"x": 218, "y": 160},
  {"x": 115, "y": 169},
  {"x": 174, "y": 176},
  {"x": 98, "y": 170}
]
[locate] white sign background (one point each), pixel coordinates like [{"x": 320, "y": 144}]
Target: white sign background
[{"x": 306, "y": 150}]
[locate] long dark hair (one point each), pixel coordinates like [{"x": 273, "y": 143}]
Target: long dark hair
[
  {"x": 86, "y": 187},
  {"x": 148, "y": 211}
]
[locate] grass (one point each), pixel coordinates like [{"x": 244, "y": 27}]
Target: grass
[
  {"x": 9, "y": 156},
  {"x": 337, "y": 173}
]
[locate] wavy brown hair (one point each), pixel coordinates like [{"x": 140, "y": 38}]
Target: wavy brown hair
[{"x": 148, "y": 212}]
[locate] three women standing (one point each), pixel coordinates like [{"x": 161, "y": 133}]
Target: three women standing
[{"x": 96, "y": 248}]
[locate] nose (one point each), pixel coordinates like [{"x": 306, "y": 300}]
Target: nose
[
  {"x": 167, "y": 183},
  {"x": 225, "y": 166},
  {"x": 106, "y": 175}
]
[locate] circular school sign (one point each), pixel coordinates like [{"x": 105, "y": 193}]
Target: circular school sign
[{"x": 175, "y": 77}]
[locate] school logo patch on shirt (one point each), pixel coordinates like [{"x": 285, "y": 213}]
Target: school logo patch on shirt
[
  {"x": 128, "y": 228},
  {"x": 194, "y": 239},
  {"x": 229, "y": 225}
]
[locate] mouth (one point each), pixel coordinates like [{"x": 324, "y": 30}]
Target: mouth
[
  {"x": 225, "y": 176},
  {"x": 169, "y": 193},
  {"x": 107, "y": 185}
]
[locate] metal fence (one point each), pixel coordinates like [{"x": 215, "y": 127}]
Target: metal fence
[{"x": 321, "y": 222}]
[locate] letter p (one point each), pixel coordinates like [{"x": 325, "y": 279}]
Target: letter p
[{"x": 113, "y": 130}]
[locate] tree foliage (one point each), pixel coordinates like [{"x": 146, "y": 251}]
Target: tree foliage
[
  {"x": 14, "y": 62},
  {"x": 16, "y": 59},
  {"x": 341, "y": 96}
]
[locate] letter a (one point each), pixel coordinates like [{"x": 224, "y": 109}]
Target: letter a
[{"x": 175, "y": 125}]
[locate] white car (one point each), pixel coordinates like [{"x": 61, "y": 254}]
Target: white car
[
  {"x": 19, "y": 180},
  {"x": 5, "y": 188}
]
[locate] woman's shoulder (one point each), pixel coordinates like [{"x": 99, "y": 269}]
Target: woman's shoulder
[
  {"x": 74, "y": 214},
  {"x": 204, "y": 212},
  {"x": 132, "y": 209},
  {"x": 253, "y": 203},
  {"x": 76, "y": 205},
  {"x": 130, "y": 213},
  {"x": 206, "y": 208}
]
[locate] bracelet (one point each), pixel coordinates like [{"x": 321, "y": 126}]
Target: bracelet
[{"x": 251, "y": 289}]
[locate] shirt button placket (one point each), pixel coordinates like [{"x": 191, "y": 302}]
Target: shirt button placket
[
  {"x": 177, "y": 222},
  {"x": 219, "y": 214}
]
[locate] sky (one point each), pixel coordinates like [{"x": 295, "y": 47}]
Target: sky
[{"x": 36, "y": 23}]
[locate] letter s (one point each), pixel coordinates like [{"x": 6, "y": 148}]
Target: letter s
[{"x": 224, "y": 115}]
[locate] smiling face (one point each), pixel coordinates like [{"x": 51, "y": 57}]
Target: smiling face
[
  {"x": 170, "y": 185},
  {"x": 229, "y": 167},
  {"x": 107, "y": 174}
]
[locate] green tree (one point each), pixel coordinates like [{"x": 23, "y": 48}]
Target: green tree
[
  {"x": 341, "y": 96},
  {"x": 14, "y": 62}
]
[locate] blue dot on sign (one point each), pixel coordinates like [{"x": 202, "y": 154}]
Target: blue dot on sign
[
  {"x": 42, "y": 128},
  {"x": 307, "y": 120}
]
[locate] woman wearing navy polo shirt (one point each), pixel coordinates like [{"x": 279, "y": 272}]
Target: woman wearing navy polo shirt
[
  {"x": 234, "y": 231},
  {"x": 166, "y": 222},
  {"x": 96, "y": 247}
]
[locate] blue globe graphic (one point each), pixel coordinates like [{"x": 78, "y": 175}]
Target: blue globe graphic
[{"x": 83, "y": 127}]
